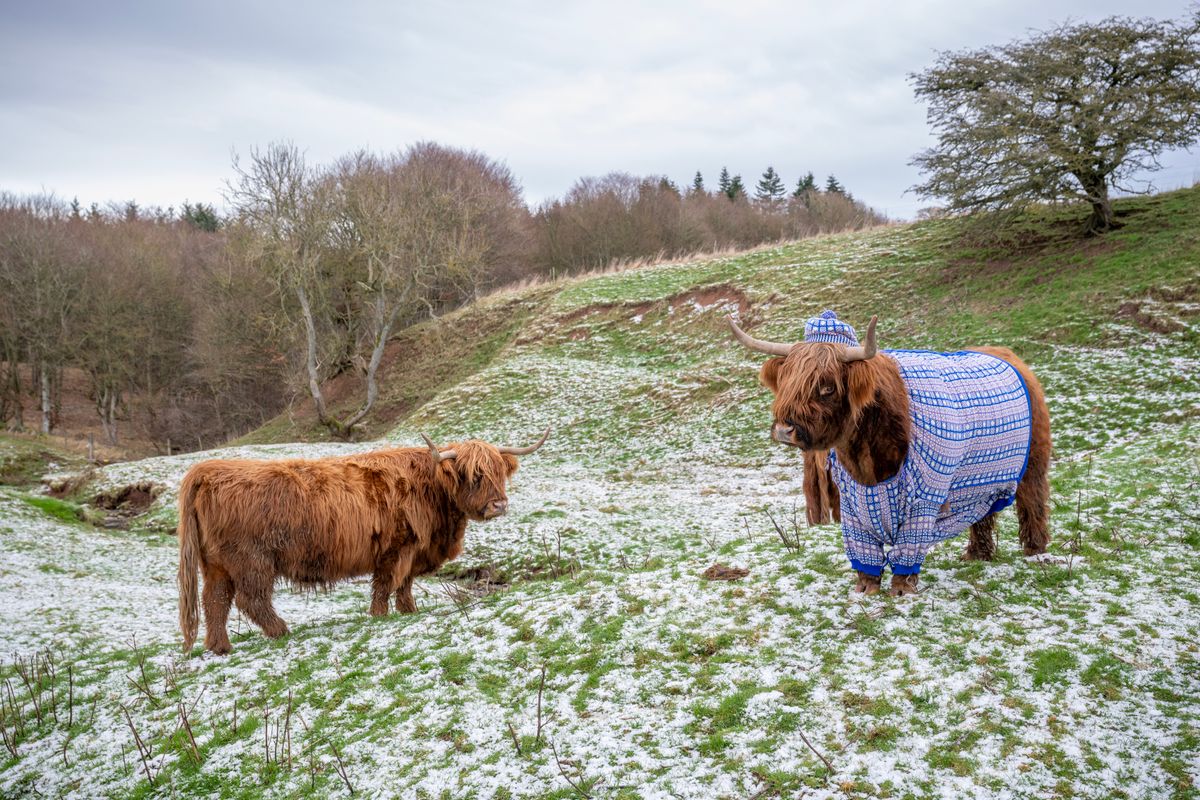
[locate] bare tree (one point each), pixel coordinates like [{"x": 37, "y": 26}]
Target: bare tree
[
  {"x": 39, "y": 292},
  {"x": 370, "y": 241},
  {"x": 290, "y": 207},
  {"x": 135, "y": 331}
]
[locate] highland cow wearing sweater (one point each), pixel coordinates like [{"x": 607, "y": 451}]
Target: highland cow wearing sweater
[{"x": 922, "y": 445}]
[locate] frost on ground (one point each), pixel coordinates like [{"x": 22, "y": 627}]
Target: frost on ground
[{"x": 602, "y": 664}]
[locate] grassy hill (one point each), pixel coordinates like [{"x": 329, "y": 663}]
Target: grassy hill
[{"x": 583, "y": 613}]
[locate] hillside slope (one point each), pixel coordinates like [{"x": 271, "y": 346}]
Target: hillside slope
[{"x": 583, "y": 614}]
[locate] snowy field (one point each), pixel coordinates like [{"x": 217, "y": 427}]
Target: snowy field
[
  {"x": 574, "y": 650},
  {"x": 1074, "y": 676}
]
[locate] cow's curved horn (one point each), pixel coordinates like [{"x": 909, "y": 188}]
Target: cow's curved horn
[
  {"x": 761, "y": 345},
  {"x": 524, "y": 451},
  {"x": 865, "y": 351},
  {"x": 438, "y": 455}
]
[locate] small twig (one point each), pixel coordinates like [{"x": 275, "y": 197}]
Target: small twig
[
  {"x": 52, "y": 673},
  {"x": 287, "y": 730},
  {"x": 187, "y": 726},
  {"x": 511, "y": 731},
  {"x": 828, "y": 766},
  {"x": 541, "y": 688},
  {"x": 563, "y": 772},
  {"x": 144, "y": 752},
  {"x": 35, "y": 697},
  {"x": 10, "y": 743},
  {"x": 341, "y": 768}
]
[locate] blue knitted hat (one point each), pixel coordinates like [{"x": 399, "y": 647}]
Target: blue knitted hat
[{"x": 828, "y": 328}]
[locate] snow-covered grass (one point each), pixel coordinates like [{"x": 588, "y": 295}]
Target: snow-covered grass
[{"x": 602, "y": 664}]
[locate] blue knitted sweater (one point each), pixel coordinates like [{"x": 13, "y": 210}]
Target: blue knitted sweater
[{"x": 968, "y": 450}]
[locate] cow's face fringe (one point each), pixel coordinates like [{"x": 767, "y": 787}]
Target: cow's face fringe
[
  {"x": 476, "y": 478},
  {"x": 821, "y": 398}
]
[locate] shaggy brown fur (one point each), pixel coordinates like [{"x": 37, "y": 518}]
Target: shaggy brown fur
[
  {"x": 822, "y": 502},
  {"x": 392, "y": 514},
  {"x": 861, "y": 410}
]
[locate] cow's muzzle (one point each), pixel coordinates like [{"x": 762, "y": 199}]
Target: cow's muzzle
[
  {"x": 494, "y": 509},
  {"x": 788, "y": 434}
]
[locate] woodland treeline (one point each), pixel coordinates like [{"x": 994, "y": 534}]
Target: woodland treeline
[{"x": 203, "y": 325}]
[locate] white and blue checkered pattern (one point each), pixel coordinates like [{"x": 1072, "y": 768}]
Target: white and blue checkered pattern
[
  {"x": 969, "y": 447},
  {"x": 828, "y": 328}
]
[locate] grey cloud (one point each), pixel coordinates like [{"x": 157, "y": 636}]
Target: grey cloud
[{"x": 148, "y": 101}]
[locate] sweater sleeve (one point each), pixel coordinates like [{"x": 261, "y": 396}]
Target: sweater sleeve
[
  {"x": 864, "y": 547},
  {"x": 916, "y": 536}
]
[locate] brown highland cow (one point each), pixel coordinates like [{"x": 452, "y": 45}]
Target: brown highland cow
[
  {"x": 393, "y": 514},
  {"x": 908, "y": 448}
]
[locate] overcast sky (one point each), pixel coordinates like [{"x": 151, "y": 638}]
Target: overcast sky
[{"x": 110, "y": 101}]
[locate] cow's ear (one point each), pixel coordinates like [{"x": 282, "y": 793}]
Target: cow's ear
[
  {"x": 510, "y": 463},
  {"x": 769, "y": 376},
  {"x": 862, "y": 383}
]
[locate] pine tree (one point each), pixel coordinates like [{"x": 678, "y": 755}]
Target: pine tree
[
  {"x": 805, "y": 185},
  {"x": 832, "y": 186},
  {"x": 200, "y": 216},
  {"x": 76, "y": 209},
  {"x": 698, "y": 183},
  {"x": 736, "y": 188},
  {"x": 723, "y": 181},
  {"x": 770, "y": 187}
]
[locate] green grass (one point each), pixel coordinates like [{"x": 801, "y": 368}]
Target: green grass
[{"x": 63, "y": 510}]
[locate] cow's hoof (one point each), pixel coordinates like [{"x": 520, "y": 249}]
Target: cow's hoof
[
  {"x": 971, "y": 555},
  {"x": 220, "y": 649},
  {"x": 903, "y": 585},
  {"x": 867, "y": 584}
]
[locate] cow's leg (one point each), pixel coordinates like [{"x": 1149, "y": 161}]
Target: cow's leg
[
  {"x": 381, "y": 588},
  {"x": 404, "y": 598},
  {"x": 902, "y": 585},
  {"x": 867, "y": 583},
  {"x": 217, "y": 598},
  {"x": 1033, "y": 499},
  {"x": 981, "y": 546},
  {"x": 383, "y": 580},
  {"x": 1033, "y": 493},
  {"x": 402, "y": 580},
  {"x": 255, "y": 588}
]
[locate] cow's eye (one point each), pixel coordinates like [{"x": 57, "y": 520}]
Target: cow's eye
[{"x": 826, "y": 390}]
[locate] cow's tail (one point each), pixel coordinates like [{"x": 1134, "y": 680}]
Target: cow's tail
[
  {"x": 821, "y": 498},
  {"x": 189, "y": 562}
]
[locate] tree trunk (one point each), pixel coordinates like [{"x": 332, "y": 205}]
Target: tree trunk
[
  {"x": 1096, "y": 189},
  {"x": 383, "y": 333},
  {"x": 1102, "y": 219},
  {"x": 314, "y": 379},
  {"x": 46, "y": 407},
  {"x": 106, "y": 405}
]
